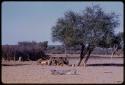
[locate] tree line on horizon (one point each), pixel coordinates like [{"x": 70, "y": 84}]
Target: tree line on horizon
[
  {"x": 33, "y": 50},
  {"x": 25, "y": 50}
]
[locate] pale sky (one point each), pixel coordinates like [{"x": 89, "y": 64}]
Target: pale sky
[{"x": 32, "y": 21}]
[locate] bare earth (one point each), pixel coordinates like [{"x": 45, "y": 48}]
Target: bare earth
[{"x": 98, "y": 70}]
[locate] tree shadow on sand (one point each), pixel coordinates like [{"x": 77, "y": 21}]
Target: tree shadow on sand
[
  {"x": 14, "y": 64},
  {"x": 106, "y": 64}
]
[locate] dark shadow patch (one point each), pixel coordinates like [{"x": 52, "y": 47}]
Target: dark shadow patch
[
  {"x": 108, "y": 72},
  {"x": 98, "y": 56},
  {"x": 105, "y": 64},
  {"x": 14, "y": 64},
  {"x": 119, "y": 81}
]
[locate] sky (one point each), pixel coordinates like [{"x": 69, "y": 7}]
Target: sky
[{"x": 32, "y": 21}]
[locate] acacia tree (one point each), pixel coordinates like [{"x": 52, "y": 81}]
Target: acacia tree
[{"x": 89, "y": 27}]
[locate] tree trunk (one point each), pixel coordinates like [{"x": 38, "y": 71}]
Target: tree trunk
[
  {"x": 88, "y": 52},
  {"x": 80, "y": 61},
  {"x": 65, "y": 50},
  {"x": 88, "y": 55},
  {"x": 115, "y": 49},
  {"x": 82, "y": 54}
]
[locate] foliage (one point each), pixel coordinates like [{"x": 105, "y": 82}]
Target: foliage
[
  {"x": 26, "y": 50},
  {"x": 91, "y": 26}
]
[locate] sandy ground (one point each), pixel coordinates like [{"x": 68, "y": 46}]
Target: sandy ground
[{"x": 96, "y": 71}]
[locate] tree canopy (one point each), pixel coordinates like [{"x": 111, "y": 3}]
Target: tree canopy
[{"x": 91, "y": 26}]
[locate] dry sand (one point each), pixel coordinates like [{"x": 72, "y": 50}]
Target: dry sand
[{"x": 32, "y": 73}]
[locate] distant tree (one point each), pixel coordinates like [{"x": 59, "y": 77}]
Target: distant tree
[
  {"x": 33, "y": 50},
  {"x": 26, "y": 50},
  {"x": 106, "y": 41},
  {"x": 121, "y": 39},
  {"x": 117, "y": 42}
]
